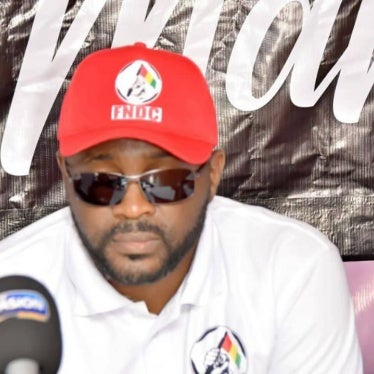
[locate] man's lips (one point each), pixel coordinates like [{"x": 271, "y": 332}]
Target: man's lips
[{"x": 135, "y": 243}]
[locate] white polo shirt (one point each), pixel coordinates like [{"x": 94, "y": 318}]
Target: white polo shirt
[{"x": 265, "y": 294}]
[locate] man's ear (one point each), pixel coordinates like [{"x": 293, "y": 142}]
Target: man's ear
[
  {"x": 217, "y": 163},
  {"x": 59, "y": 159},
  {"x": 61, "y": 164}
]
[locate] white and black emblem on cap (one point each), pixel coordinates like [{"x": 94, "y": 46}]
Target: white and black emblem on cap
[{"x": 138, "y": 83}]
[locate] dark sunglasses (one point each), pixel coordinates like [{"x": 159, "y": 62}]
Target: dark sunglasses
[{"x": 161, "y": 186}]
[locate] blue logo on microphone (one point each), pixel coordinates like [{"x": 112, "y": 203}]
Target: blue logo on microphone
[{"x": 23, "y": 304}]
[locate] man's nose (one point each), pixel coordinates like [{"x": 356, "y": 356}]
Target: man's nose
[{"x": 134, "y": 204}]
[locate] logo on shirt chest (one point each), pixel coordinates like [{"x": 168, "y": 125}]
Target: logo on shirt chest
[{"x": 219, "y": 351}]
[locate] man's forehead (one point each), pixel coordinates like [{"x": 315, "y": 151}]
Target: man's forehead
[{"x": 112, "y": 149}]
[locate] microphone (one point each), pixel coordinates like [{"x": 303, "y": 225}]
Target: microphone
[{"x": 30, "y": 334}]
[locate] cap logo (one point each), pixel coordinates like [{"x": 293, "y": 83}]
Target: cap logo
[{"x": 138, "y": 83}]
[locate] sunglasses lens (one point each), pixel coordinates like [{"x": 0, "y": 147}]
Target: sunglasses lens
[
  {"x": 159, "y": 187},
  {"x": 99, "y": 188},
  {"x": 168, "y": 186}
]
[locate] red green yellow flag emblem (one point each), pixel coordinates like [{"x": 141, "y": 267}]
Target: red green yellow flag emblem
[
  {"x": 231, "y": 349},
  {"x": 147, "y": 75}
]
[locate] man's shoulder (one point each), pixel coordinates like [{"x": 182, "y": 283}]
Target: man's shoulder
[
  {"x": 255, "y": 228},
  {"x": 38, "y": 241},
  {"x": 262, "y": 248}
]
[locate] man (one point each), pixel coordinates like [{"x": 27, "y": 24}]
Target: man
[{"x": 151, "y": 272}]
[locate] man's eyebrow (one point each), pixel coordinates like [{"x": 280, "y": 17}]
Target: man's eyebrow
[
  {"x": 98, "y": 157},
  {"x": 87, "y": 158},
  {"x": 159, "y": 153}
]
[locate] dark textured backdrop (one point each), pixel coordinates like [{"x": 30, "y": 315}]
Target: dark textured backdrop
[{"x": 301, "y": 162}]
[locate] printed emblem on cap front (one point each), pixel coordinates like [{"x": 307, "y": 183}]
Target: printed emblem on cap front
[
  {"x": 23, "y": 304},
  {"x": 219, "y": 351},
  {"x": 138, "y": 83}
]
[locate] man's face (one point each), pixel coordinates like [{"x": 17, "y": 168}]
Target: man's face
[{"x": 136, "y": 242}]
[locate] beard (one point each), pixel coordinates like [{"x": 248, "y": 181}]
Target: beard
[{"x": 173, "y": 253}]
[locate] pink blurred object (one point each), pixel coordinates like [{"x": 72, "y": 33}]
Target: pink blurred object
[{"x": 360, "y": 276}]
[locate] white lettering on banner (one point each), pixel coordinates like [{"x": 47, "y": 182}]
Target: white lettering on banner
[
  {"x": 41, "y": 77},
  {"x": 355, "y": 78},
  {"x": 198, "y": 47},
  {"x": 133, "y": 26},
  {"x": 42, "y": 73},
  {"x": 245, "y": 51}
]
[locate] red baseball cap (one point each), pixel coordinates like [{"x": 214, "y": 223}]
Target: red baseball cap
[{"x": 136, "y": 92}]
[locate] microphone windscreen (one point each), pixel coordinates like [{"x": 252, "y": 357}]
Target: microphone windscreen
[{"x": 29, "y": 324}]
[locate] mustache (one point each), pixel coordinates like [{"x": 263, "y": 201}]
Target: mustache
[{"x": 128, "y": 227}]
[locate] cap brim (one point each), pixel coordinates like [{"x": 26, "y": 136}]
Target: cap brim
[{"x": 193, "y": 151}]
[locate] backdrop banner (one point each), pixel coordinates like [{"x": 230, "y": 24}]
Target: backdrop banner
[{"x": 292, "y": 81}]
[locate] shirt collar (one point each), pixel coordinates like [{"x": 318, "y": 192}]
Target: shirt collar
[
  {"x": 206, "y": 278},
  {"x": 94, "y": 294}
]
